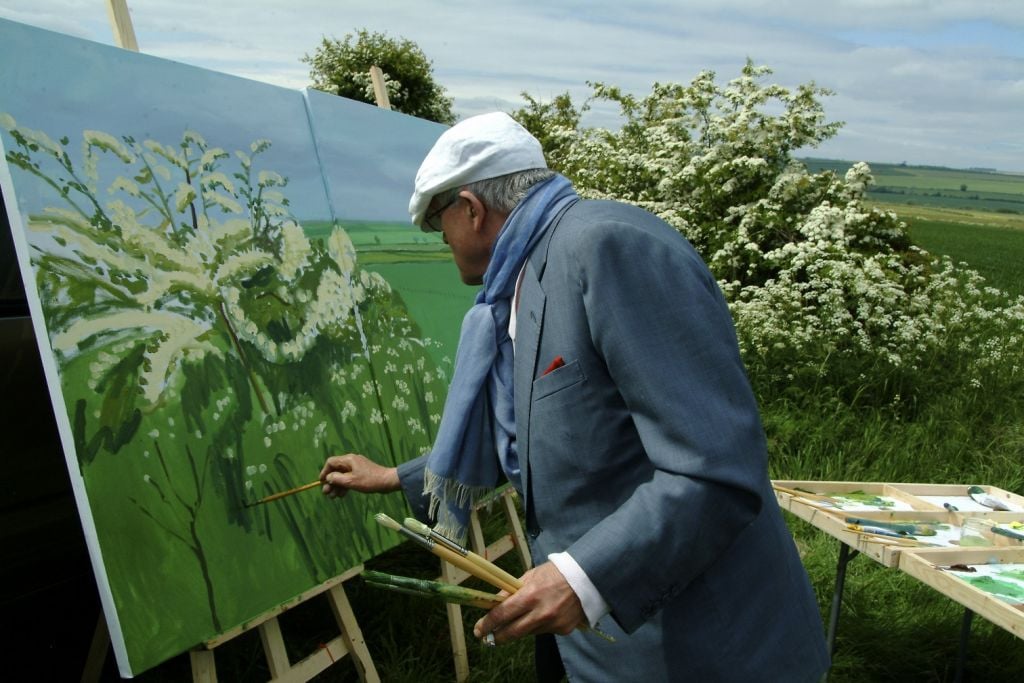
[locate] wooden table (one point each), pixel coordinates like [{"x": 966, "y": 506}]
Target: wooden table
[{"x": 937, "y": 559}]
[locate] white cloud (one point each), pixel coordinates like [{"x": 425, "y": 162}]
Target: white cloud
[{"x": 926, "y": 81}]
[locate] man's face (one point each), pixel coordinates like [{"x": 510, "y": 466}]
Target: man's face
[{"x": 462, "y": 228}]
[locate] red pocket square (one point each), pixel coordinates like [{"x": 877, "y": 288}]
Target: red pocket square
[{"x": 555, "y": 364}]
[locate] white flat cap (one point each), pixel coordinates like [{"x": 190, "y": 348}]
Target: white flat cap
[{"x": 477, "y": 148}]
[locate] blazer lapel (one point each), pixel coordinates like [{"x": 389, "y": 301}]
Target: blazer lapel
[
  {"x": 530, "y": 318},
  {"x": 529, "y": 325}
]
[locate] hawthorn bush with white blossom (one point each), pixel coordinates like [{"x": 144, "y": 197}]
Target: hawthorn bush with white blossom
[{"x": 826, "y": 292}]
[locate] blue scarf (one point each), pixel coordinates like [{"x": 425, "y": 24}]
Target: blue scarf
[{"x": 479, "y": 419}]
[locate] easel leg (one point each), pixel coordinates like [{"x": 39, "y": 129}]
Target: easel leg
[
  {"x": 961, "y": 655},
  {"x": 456, "y": 631},
  {"x": 352, "y": 634},
  {"x": 273, "y": 647},
  {"x": 518, "y": 537},
  {"x": 97, "y": 652},
  {"x": 204, "y": 670},
  {"x": 845, "y": 555}
]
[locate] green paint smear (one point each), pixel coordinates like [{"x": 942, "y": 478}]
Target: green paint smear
[
  {"x": 1014, "y": 574},
  {"x": 864, "y": 499},
  {"x": 1010, "y": 592}
]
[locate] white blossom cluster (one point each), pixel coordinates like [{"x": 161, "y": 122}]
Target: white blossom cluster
[{"x": 820, "y": 286}]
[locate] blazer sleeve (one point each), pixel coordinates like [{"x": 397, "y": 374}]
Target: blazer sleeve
[
  {"x": 660, "y": 323},
  {"x": 410, "y": 476}
]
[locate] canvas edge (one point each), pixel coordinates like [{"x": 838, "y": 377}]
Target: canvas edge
[{"x": 50, "y": 372}]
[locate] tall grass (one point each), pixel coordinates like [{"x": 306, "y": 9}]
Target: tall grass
[{"x": 892, "y": 627}]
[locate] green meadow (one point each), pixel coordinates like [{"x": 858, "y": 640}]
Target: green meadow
[
  {"x": 892, "y": 627},
  {"x": 970, "y": 189},
  {"x": 993, "y": 248},
  {"x": 973, "y": 216}
]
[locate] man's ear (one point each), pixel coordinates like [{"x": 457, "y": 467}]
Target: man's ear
[{"x": 477, "y": 210}]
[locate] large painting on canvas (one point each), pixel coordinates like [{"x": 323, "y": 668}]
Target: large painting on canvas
[{"x": 216, "y": 316}]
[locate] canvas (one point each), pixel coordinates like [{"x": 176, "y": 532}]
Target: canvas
[{"x": 223, "y": 295}]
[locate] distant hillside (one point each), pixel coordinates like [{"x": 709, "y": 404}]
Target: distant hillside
[{"x": 973, "y": 189}]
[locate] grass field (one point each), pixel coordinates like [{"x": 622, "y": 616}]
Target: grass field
[
  {"x": 995, "y": 249},
  {"x": 971, "y": 215},
  {"x": 892, "y": 627},
  {"x": 971, "y": 189}
]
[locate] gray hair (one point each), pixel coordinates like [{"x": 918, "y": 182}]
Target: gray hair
[{"x": 502, "y": 193}]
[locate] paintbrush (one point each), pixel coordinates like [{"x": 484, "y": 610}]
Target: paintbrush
[
  {"x": 484, "y": 573},
  {"x": 806, "y": 495},
  {"x": 902, "y": 527},
  {"x": 297, "y": 489},
  {"x": 1014, "y": 530},
  {"x": 879, "y": 534},
  {"x": 424, "y": 530},
  {"x": 432, "y": 589}
]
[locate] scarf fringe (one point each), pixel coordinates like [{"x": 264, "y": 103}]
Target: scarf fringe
[{"x": 446, "y": 493}]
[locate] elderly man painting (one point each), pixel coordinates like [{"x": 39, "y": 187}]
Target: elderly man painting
[{"x": 599, "y": 373}]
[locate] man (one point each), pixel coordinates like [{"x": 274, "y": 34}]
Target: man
[{"x": 624, "y": 418}]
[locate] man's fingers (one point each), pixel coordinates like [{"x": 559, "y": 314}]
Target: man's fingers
[{"x": 506, "y": 622}]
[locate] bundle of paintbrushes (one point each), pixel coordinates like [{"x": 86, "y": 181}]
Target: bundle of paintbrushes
[
  {"x": 454, "y": 554},
  {"x": 438, "y": 590}
]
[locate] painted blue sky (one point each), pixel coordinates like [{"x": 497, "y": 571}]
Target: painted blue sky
[
  {"x": 923, "y": 81},
  {"x": 70, "y": 85}
]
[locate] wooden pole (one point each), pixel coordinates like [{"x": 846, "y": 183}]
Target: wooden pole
[
  {"x": 121, "y": 22},
  {"x": 380, "y": 91}
]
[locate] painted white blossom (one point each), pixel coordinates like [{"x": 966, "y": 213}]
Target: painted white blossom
[
  {"x": 271, "y": 179},
  {"x": 340, "y": 248},
  {"x": 166, "y": 152},
  {"x": 242, "y": 264},
  {"x": 219, "y": 199},
  {"x": 296, "y": 250},
  {"x": 212, "y": 156}
]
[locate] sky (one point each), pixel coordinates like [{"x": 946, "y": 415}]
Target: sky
[{"x": 933, "y": 82}]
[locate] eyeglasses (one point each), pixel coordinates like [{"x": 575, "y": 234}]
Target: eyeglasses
[{"x": 433, "y": 219}]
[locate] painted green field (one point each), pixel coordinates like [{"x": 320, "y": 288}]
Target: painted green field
[
  {"x": 973, "y": 189},
  {"x": 419, "y": 267}
]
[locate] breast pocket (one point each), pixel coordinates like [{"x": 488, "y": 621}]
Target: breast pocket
[{"x": 564, "y": 377}]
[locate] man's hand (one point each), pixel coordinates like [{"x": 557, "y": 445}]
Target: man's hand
[
  {"x": 545, "y": 604},
  {"x": 355, "y": 472}
]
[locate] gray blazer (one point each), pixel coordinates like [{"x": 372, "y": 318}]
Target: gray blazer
[{"x": 644, "y": 457}]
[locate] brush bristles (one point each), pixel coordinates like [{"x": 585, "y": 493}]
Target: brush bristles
[
  {"x": 417, "y": 526},
  {"x": 387, "y": 521}
]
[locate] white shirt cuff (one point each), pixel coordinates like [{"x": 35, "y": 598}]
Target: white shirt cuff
[{"x": 594, "y": 606}]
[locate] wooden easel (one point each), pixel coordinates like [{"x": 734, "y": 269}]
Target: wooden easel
[
  {"x": 349, "y": 642},
  {"x": 514, "y": 539}
]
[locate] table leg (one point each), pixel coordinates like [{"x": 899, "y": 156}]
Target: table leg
[
  {"x": 845, "y": 555},
  {"x": 961, "y": 655}
]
